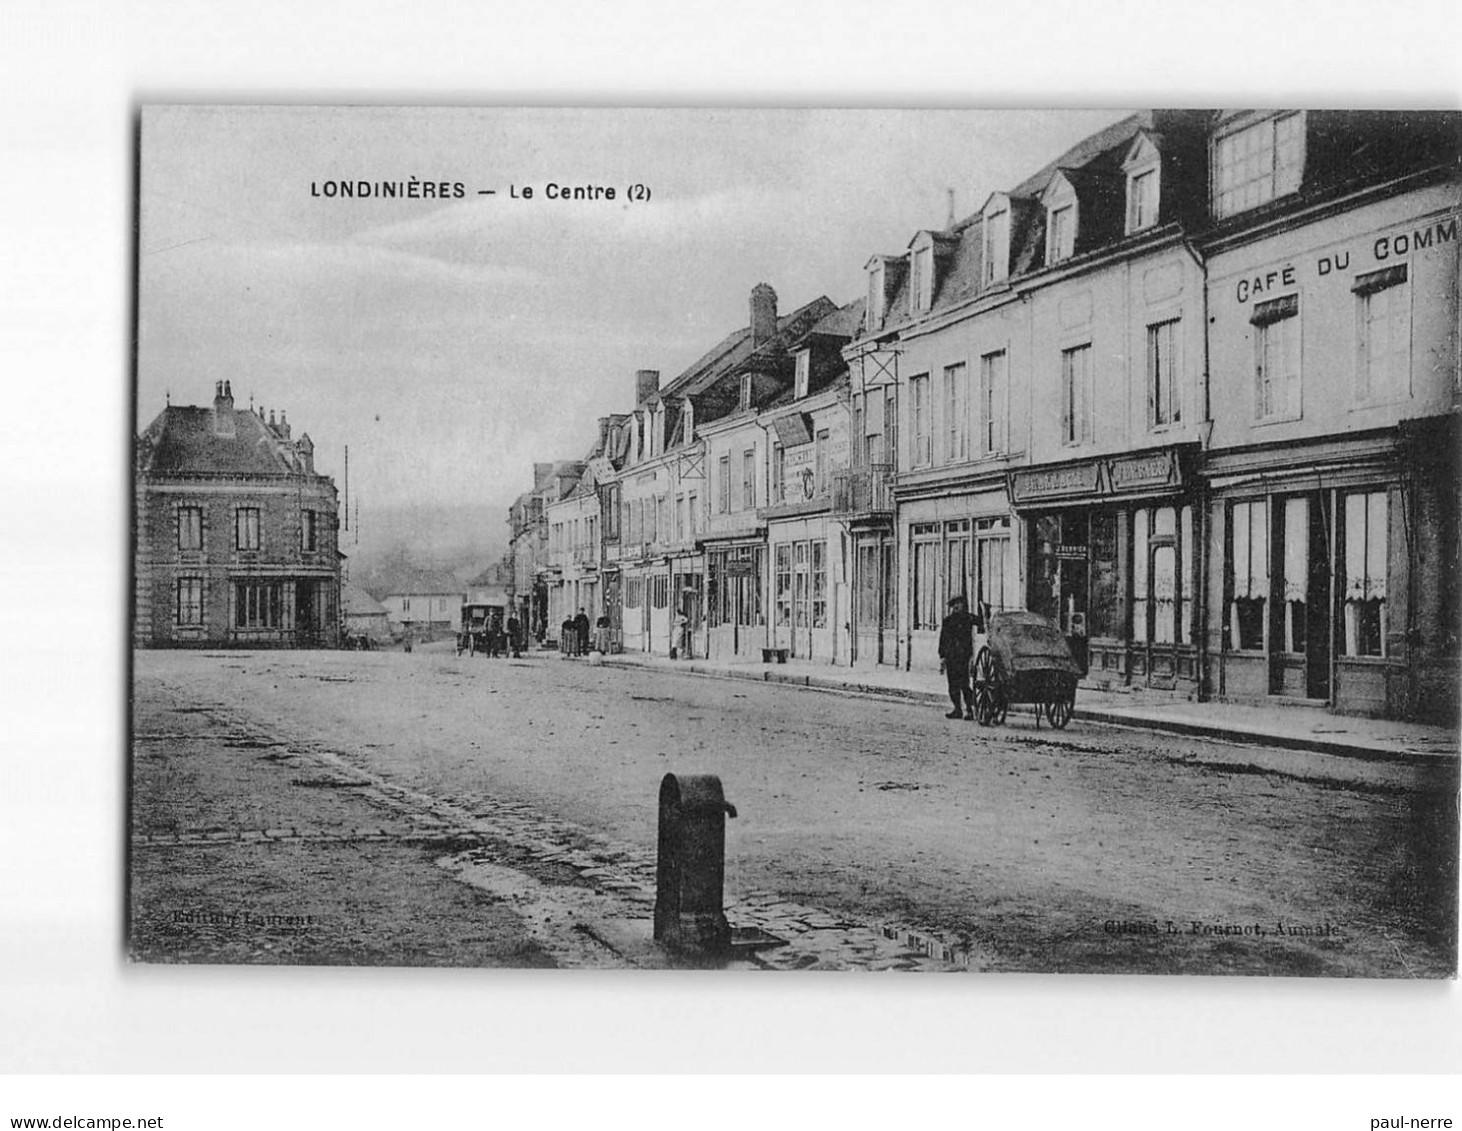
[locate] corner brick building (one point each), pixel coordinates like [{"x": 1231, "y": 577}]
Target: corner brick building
[{"x": 236, "y": 533}]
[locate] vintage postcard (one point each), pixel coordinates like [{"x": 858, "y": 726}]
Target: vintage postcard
[{"x": 976, "y": 541}]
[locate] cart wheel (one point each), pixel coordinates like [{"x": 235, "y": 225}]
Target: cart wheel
[
  {"x": 1059, "y": 709},
  {"x": 985, "y": 689}
]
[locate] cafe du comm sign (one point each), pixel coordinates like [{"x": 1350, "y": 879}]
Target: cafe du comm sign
[{"x": 1140, "y": 473}]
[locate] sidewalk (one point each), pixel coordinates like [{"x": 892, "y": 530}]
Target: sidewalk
[{"x": 1288, "y": 727}]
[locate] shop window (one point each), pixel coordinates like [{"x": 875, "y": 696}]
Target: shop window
[
  {"x": 926, "y": 581},
  {"x": 1164, "y": 576},
  {"x": 784, "y": 585},
  {"x": 890, "y": 587},
  {"x": 993, "y": 394},
  {"x": 1108, "y": 604},
  {"x": 660, "y": 591},
  {"x": 1277, "y": 358},
  {"x": 632, "y": 590},
  {"x": 190, "y": 601},
  {"x": 819, "y": 584},
  {"x": 957, "y": 560},
  {"x": 190, "y": 528},
  {"x": 1295, "y": 554},
  {"x": 246, "y": 528},
  {"x": 1383, "y": 347},
  {"x": 801, "y": 584},
  {"x": 1258, "y": 163},
  {"x": 258, "y": 604},
  {"x": 1187, "y": 577},
  {"x": 1249, "y": 558},
  {"x": 1141, "y": 531},
  {"x": 992, "y": 557},
  {"x": 919, "y": 395},
  {"x": 868, "y": 585},
  {"x": 1076, "y": 395},
  {"x": 1164, "y": 400},
  {"x": 1366, "y": 546}
]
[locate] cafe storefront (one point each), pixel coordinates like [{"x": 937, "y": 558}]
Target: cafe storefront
[{"x": 1111, "y": 548}]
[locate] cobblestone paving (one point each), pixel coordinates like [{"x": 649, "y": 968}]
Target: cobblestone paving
[{"x": 588, "y": 900}]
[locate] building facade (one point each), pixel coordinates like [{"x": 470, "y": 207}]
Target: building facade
[{"x": 236, "y": 534}]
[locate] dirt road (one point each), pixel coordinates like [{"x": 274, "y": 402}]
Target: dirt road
[{"x": 870, "y": 834}]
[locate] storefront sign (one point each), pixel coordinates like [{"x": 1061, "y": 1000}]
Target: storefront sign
[
  {"x": 739, "y": 567},
  {"x": 1133, "y": 473},
  {"x": 1057, "y": 482},
  {"x": 1071, "y": 553},
  {"x": 1099, "y": 478}
]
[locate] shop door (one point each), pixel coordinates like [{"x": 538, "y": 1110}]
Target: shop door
[
  {"x": 1299, "y": 623},
  {"x": 306, "y": 629},
  {"x": 614, "y": 610}
]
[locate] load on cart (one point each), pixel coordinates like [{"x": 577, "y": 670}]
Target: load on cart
[{"x": 1024, "y": 659}]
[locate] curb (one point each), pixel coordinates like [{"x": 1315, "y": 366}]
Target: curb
[{"x": 1242, "y": 736}]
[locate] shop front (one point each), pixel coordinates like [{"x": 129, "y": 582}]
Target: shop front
[
  {"x": 1111, "y": 551},
  {"x": 735, "y": 622},
  {"x": 1338, "y": 584}
]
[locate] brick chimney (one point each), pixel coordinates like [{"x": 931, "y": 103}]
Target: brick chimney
[
  {"x": 603, "y": 449},
  {"x": 283, "y": 425},
  {"x": 763, "y": 314},
  {"x": 647, "y": 384},
  {"x": 541, "y": 474},
  {"x": 223, "y": 409}
]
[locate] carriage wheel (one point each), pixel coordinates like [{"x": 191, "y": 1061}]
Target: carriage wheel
[
  {"x": 1059, "y": 708},
  {"x": 989, "y": 693}
]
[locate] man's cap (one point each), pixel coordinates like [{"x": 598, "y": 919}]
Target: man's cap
[{"x": 958, "y": 601}]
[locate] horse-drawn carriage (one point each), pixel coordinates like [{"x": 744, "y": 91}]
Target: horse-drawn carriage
[{"x": 1025, "y": 659}]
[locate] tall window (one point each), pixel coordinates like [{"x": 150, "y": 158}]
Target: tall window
[
  {"x": 1249, "y": 556},
  {"x": 680, "y": 518},
  {"x": 723, "y": 476},
  {"x": 1164, "y": 400},
  {"x": 1142, "y": 200},
  {"x": 1061, "y": 234},
  {"x": 1277, "y": 358},
  {"x": 307, "y": 530},
  {"x": 919, "y": 396},
  {"x": 891, "y": 425},
  {"x": 1076, "y": 395},
  {"x": 748, "y": 479},
  {"x": 803, "y": 375},
  {"x": 693, "y": 507},
  {"x": 819, "y": 461},
  {"x": 875, "y": 298},
  {"x": 1366, "y": 546},
  {"x": 956, "y": 413},
  {"x": 190, "y": 600},
  {"x": 246, "y": 528},
  {"x": 993, "y": 385},
  {"x": 1258, "y": 163},
  {"x": 1294, "y": 554},
  {"x": 662, "y": 518},
  {"x": 190, "y": 528},
  {"x": 1383, "y": 364}
]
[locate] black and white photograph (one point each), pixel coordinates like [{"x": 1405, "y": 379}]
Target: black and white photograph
[{"x": 808, "y": 540}]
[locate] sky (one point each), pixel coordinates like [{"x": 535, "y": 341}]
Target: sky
[{"x": 451, "y": 344}]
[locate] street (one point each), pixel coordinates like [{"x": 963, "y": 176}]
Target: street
[{"x": 428, "y": 809}]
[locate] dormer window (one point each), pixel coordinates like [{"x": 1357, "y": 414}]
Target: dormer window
[
  {"x": 1060, "y": 203},
  {"x": 746, "y": 390},
  {"x": 804, "y": 373},
  {"x": 875, "y": 295},
  {"x": 1256, "y": 162},
  {"x": 1143, "y": 168},
  {"x": 997, "y": 240},
  {"x": 922, "y": 289}
]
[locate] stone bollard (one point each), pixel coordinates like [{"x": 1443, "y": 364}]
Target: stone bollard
[{"x": 690, "y": 868}]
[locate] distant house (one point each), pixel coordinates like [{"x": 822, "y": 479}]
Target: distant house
[
  {"x": 364, "y": 615},
  {"x": 235, "y": 533},
  {"x": 424, "y": 601}
]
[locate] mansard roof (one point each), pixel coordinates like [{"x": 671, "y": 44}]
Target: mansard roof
[{"x": 189, "y": 440}]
